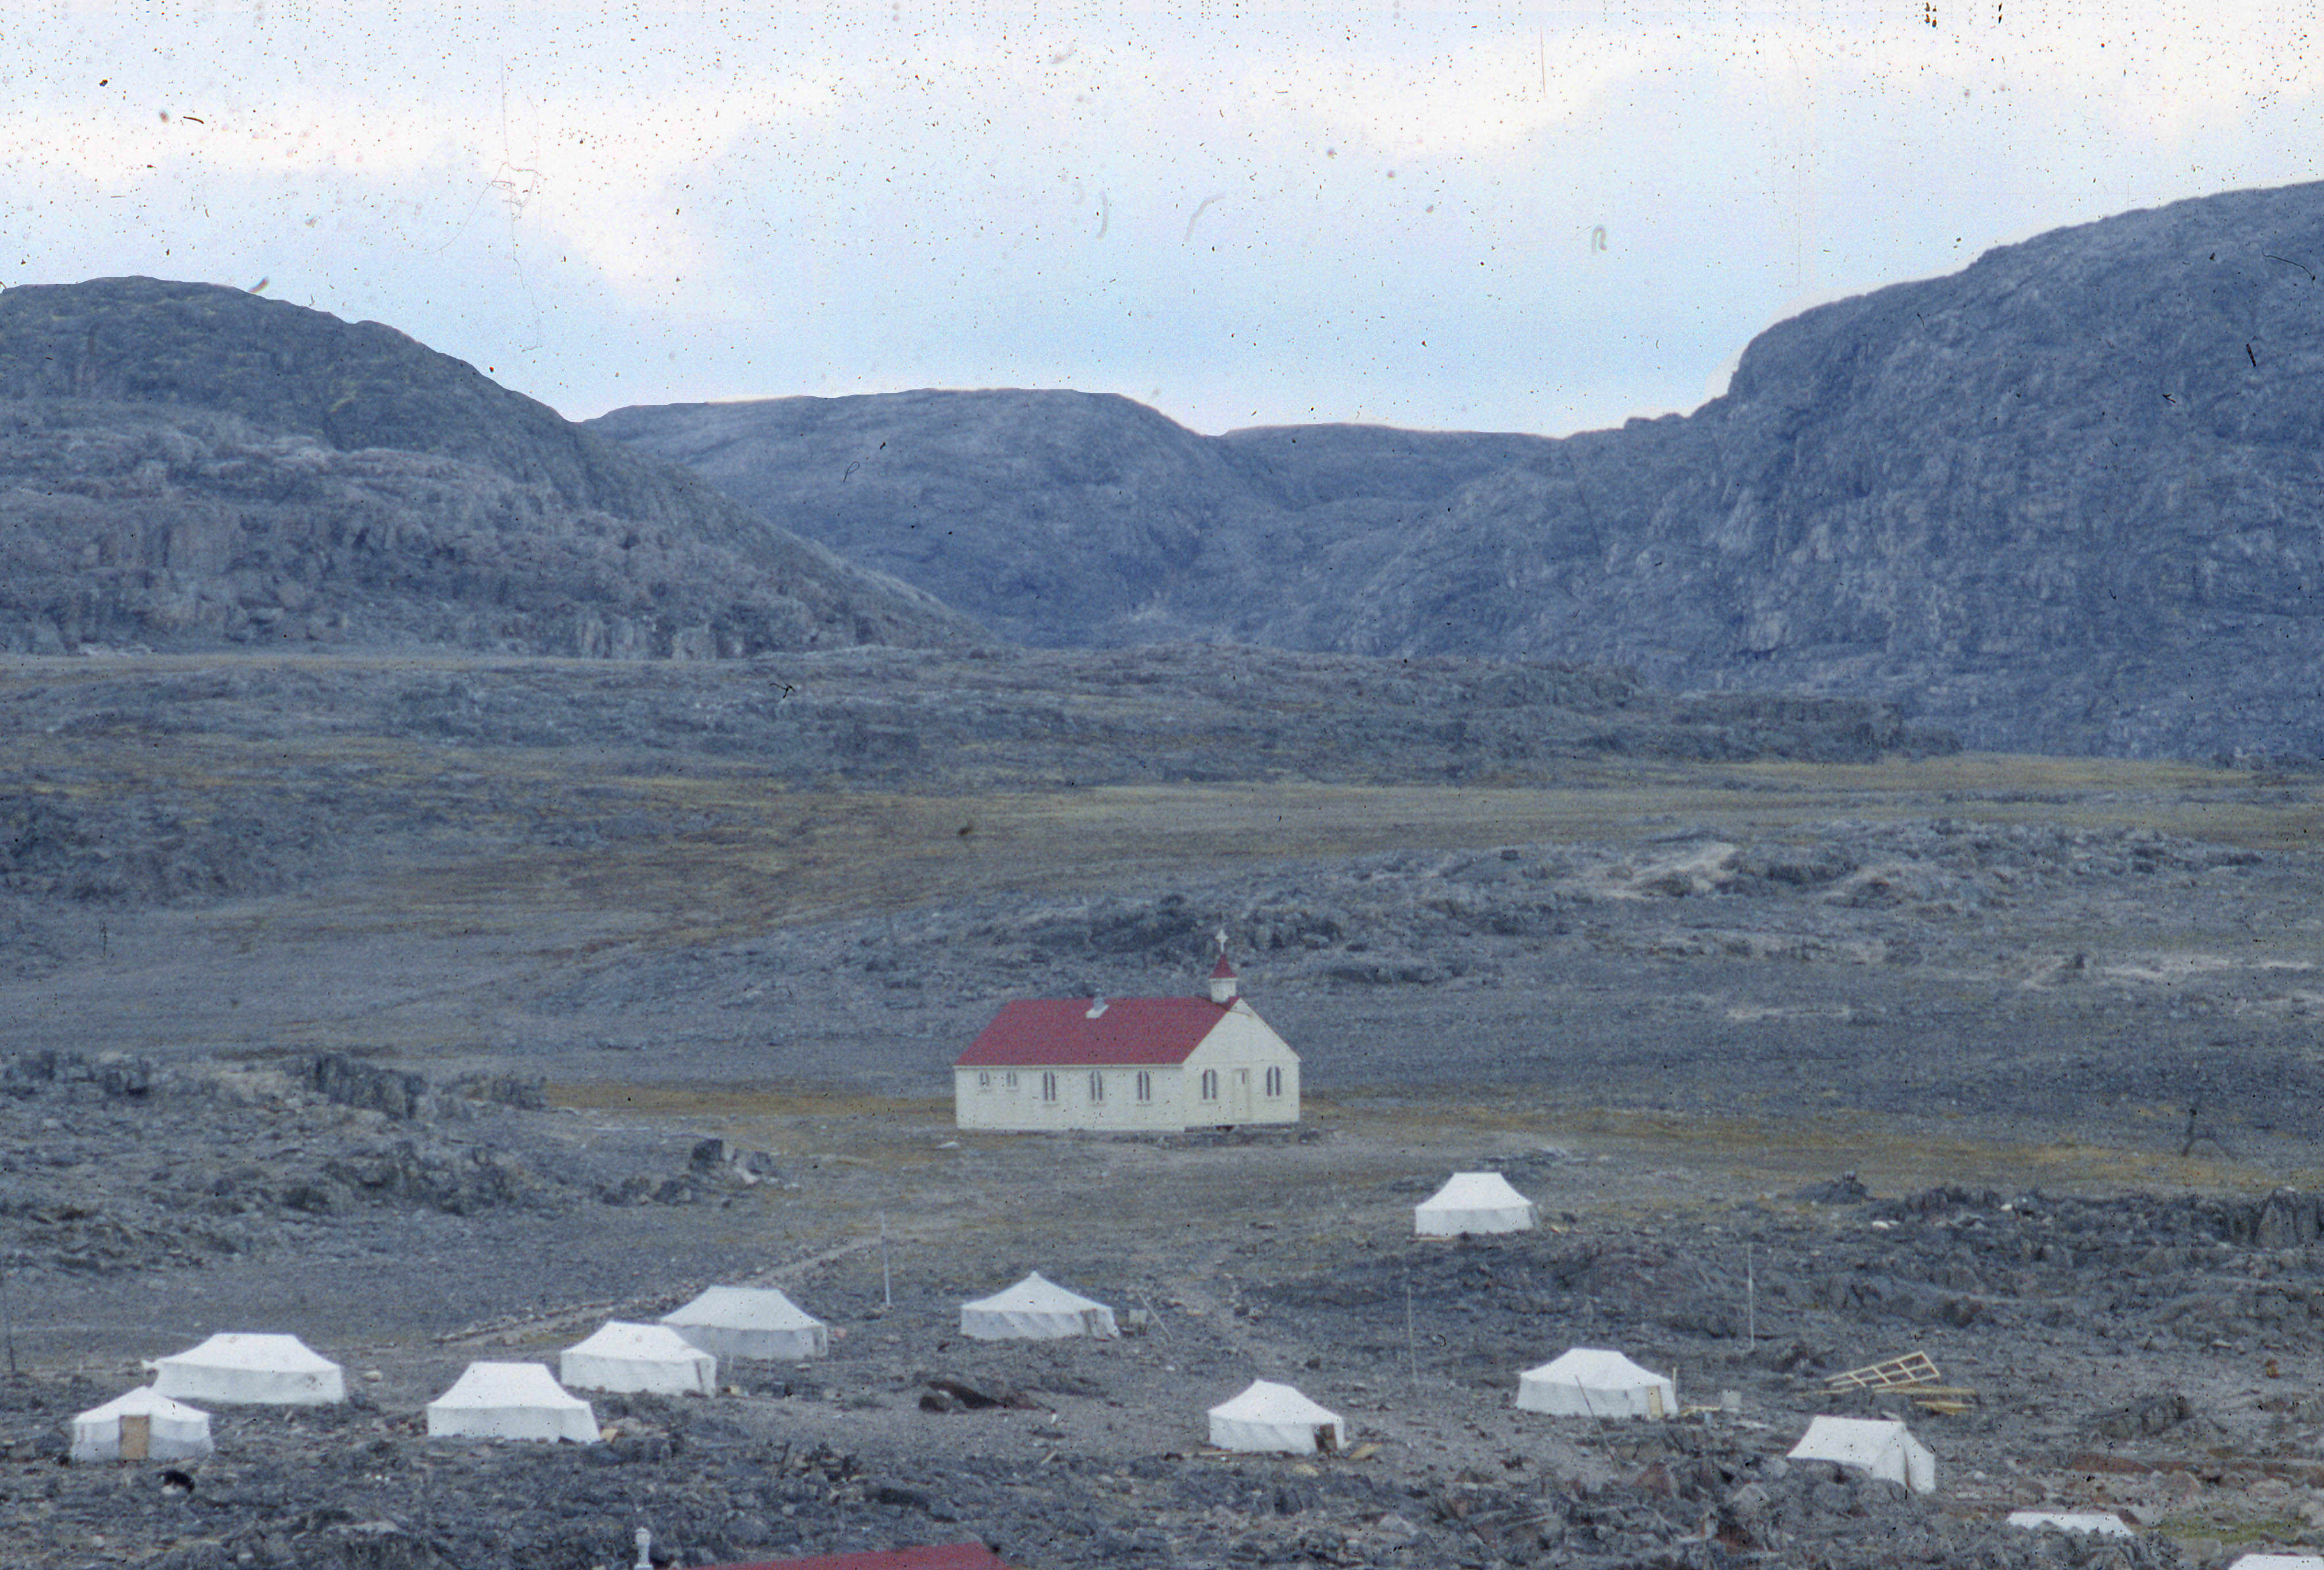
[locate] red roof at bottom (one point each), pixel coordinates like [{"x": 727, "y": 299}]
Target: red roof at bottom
[{"x": 950, "y": 1556}]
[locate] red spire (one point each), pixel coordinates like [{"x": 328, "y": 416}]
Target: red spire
[{"x": 1223, "y": 971}]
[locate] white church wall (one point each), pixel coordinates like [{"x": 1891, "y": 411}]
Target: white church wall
[
  {"x": 1020, "y": 1099},
  {"x": 1257, "y": 1073}
]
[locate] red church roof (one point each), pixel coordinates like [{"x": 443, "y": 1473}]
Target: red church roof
[
  {"x": 1223, "y": 971},
  {"x": 1061, "y": 1033}
]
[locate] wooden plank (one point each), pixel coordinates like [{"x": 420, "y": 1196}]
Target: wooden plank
[{"x": 1913, "y": 1368}]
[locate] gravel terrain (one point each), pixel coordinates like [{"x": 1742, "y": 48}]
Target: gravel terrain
[
  {"x": 2147, "y": 1354},
  {"x": 435, "y": 1011}
]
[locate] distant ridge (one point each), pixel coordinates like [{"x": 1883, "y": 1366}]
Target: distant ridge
[
  {"x": 2070, "y": 499},
  {"x": 1070, "y": 520},
  {"x": 186, "y": 465}
]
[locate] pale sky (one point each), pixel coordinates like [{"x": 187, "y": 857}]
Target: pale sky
[{"x": 1502, "y": 216}]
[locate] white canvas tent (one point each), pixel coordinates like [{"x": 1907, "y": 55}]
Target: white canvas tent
[
  {"x": 262, "y": 1371},
  {"x": 751, "y": 1322},
  {"x": 510, "y": 1400},
  {"x": 1474, "y": 1202},
  {"x": 1035, "y": 1309},
  {"x": 1588, "y": 1382},
  {"x": 1880, "y": 1447},
  {"x": 2095, "y": 1523},
  {"x": 173, "y": 1431},
  {"x": 624, "y": 1357},
  {"x": 1273, "y": 1419}
]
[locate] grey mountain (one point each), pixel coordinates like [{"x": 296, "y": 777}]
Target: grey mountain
[
  {"x": 183, "y": 466},
  {"x": 2070, "y": 498},
  {"x": 1071, "y": 519}
]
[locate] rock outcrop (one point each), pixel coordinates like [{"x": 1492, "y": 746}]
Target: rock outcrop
[
  {"x": 2070, "y": 499},
  {"x": 183, "y": 466},
  {"x": 1074, "y": 519}
]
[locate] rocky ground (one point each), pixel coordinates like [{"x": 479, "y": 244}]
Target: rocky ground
[
  {"x": 434, "y": 1011},
  {"x": 2148, "y": 1355}
]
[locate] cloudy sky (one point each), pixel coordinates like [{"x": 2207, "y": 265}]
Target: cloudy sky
[{"x": 1498, "y": 216}]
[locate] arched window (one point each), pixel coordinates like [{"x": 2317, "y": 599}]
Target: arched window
[
  {"x": 1145, "y": 1085},
  {"x": 1009, "y": 1080},
  {"x": 1097, "y": 1086},
  {"x": 1274, "y": 1082},
  {"x": 985, "y": 1081},
  {"x": 1210, "y": 1085},
  {"x": 1049, "y": 1087}
]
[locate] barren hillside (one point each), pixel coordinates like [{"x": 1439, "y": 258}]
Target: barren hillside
[
  {"x": 2066, "y": 500},
  {"x": 187, "y": 466}
]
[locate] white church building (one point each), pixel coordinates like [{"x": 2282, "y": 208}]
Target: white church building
[{"x": 1147, "y": 1065}]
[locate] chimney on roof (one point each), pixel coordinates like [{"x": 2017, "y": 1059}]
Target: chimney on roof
[{"x": 1223, "y": 981}]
